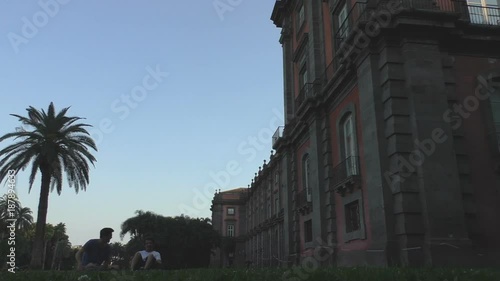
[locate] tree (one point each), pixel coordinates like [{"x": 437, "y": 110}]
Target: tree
[
  {"x": 119, "y": 255},
  {"x": 24, "y": 218},
  {"x": 52, "y": 143},
  {"x": 23, "y": 215},
  {"x": 24, "y": 224},
  {"x": 183, "y": 242}
]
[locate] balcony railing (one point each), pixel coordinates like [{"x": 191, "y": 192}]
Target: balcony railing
[
  {"x": 483, "y": 15},
  {"x": 431, "y": 5},
  {"x": 346, "y": 169},
  {"x": 309, "y": 90},
  {"x": 355, "y": 15},
  {"x": 303, "y": 198},
  {"x": 330, "y": 70},
  {"x": 361, "y": 14},
  {"x": 278, "y": 134}
]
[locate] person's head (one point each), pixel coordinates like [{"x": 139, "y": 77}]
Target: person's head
[
  {"x": 149, "y": 244},
  {"x": 106, "y": 234}
]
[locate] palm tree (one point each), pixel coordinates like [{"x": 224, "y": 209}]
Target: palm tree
[
  {"x": 24, "y": 218},
  {"x": 53, "y": 143},
  {"x": 5, "y": 208},
  {"x": 23, "y": 215}
]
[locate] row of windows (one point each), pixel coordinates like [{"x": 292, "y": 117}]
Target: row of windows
[
  {"x": 341, "y": 26},
  {"x": 488, "y": 15}
]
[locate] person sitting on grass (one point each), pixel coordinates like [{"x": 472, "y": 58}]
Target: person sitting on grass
[
  {"x": 96, "y": 253},
  {"x": 147, "y": 258}
]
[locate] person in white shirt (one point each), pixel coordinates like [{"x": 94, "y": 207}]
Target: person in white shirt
[{"x": 147, "y": 258}]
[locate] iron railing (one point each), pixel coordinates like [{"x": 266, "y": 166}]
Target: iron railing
[
  {"x": 303, "y": 199},
  {"x": 347, "y": 168},
  {"x": 309, "y": 90},
  {"x": 278, "y": 134},
  {"x": 483, "y": 15},
  {"x": 431, "y": 5},
  {"x": 330, "y": 70},
  {"x": 354, "y": 16},
  {"x": 362, "y": 13}
]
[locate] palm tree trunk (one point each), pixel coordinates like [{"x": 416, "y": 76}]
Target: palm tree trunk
[
  {"x": 54, "y": 256},
  {"x": 38, "y": 243},
  {"x": 44, "y": 254}
]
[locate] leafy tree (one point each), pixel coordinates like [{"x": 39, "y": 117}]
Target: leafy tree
[
  {"x": 24, "y": 226},
  {"x": 119, "y": 255},
  {"x": 183, "y": 242},
  {"x": 23, "y": 215},
  {"x": 53, "y": 143}
]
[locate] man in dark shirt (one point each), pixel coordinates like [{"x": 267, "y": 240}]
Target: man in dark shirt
[{"x": 96, "y": 253}]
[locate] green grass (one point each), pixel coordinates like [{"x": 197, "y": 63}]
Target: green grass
[{"x": 291, "y": 274}]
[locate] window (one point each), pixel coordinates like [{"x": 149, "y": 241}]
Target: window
[
  {"x": 343, "y": 23},
  {"x": 301, "y": 16},
  {"x": 276, "y": 204},
  {"x": 349, "y": 145},
  {"x": 352, "y": 218},
  {"x": 230, "y": 211},
  {"x": 276, "y": 178},
  {"x": 306, "y": 176},
  {"x": 303, "y": 76},
  {"x": 308, "y": 235},
  {"x": 230, "y": 230},
  {"x": 484, "y": 12}
]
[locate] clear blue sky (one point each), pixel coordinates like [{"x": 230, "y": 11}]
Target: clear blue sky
[{"x": 157, "y": 151}]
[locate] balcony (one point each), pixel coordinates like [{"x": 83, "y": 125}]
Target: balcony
[
  {"x": 355, "y": 16},
  {"x": 346, "y": 175},
  {"x": 483, "y": 15},
  {"x": 277, "y": 135},
  {"x": 309, "y": 91},
  {"x": 362, "y": 13},
  {"x": 304, "y": 203}
]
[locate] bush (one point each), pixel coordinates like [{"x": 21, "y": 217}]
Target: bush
[{"x": 275, "y": 274}]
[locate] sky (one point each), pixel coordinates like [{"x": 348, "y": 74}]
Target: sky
[{"x": 183, "y": 98}]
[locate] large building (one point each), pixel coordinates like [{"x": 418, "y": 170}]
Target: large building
[
  {"x": 390, "y": 151},
  {"x": 228, "y": 219}
]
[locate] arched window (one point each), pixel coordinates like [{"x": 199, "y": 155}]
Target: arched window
[
  {"x": 349, "y": 146},
  {"x": 306, "y": 176}
]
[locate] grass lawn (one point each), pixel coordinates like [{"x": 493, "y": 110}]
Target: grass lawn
[{"x": 291, "y": 274}]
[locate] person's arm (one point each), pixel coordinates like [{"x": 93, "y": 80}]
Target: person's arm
[
  {"x": 158, "y": 258},
  {"x": 78, "y": 257},
  {"x": 106, "y": 263}
]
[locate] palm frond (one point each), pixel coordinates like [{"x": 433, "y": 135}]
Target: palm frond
[{"x": 52, "y": 141}]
